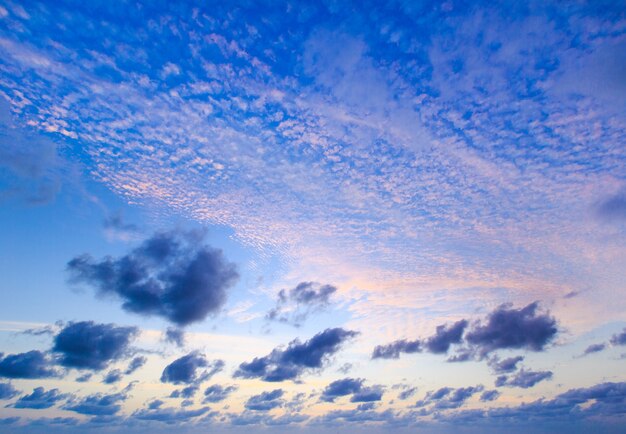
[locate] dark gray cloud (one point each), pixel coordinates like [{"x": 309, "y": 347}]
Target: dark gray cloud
[
  {"x": 507, "y": 327},
  {"x": 169, "y": 415},
  {"x": 594, "y": 348},
  {"x": 291, "y": 362},
  {"x": 112, "y": 376},
  {"x": 135, "y": 364},
  {"x": 265, "y": 401},
  {"x": 524, "y": 379},
  {"x": 7, "y": 391},
  {"x": 295, "y": 305},
  {"x": 619, "y": 338},
  {"x": 40, "y": 399},
  {"x": 393, "y": 350},
  {"x": 87, "y": 345},
  {"x": 446, "y": 335},
  {"x": 175, "y": 336},
  {"x": 346, "y": 386},
  {"x": 171, "y": 275},
  {"x": 489, "y": 395},
  {"x": 32, "y": 364},
  {"x": 185, "y": 370},
  {"x": 217, "y": 393},
  {"x": 97, "y": 404},
  {"x": 506, "y": 365}
]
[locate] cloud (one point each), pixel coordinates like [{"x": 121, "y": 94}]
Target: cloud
[
  {"x": 506, "y": 365},
  {"x": 171, "y": 275},
  {"x": 265, "y": 401},
  {"x": 508, "y": 328},
  {"x": 354, "y": 387},
  {"x": 32, "y": 364},
  {"x": 116, "y": 228},
  {"x": 85, "y": 377},
  {"x": 445, "y": 336},
  {"x": 447, "y": 398},
  {"x": 489, "y": 395},
  {"x": 187, "y": 392},
  {"x": 97, "y": 404},
  {"x": 291, "y": 362},
  {"x": 524, "y": 379},
  {"x": 112, "y": 376},
  {"x": 40, "y": 399},
  {"x": 295, "y": 305},
  {"x": 87, "y": 345},
  {"x": 169, "y": 415},
  {"x": 185, "y": 369},
  {"x": 217, "y": 393},
  {"x": 7, "y": 391},
  {"x": 393, "y": 350},
  {"x": 407, "y": 393},
  {"x": 135, "y": 364},
  {"x": 175, "y": 336},
  {"x": 594, "y": 348},
  {"x": 346, "y": 386},
  {"x": 619, "y": 338},
  {"x": 368, "y": 394}
]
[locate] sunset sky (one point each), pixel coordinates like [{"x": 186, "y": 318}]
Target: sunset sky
[{"x": 317, "y": 217}]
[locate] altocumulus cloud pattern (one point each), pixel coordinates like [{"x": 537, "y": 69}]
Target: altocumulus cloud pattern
[{"x": 315, "y": 217}]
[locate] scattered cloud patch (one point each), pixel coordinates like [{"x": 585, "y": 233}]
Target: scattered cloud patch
[
  {"x": 40, "y": 399},
  {"x": 506, "y": 365},
  {"x": 294, "y": 306},
  {"x": 346, "y": 386},
  {"x": 135, "y": 363},
  {"x": 7, "y": 391},
  {"x": 185, "y": 369},
  {"x": 445, "y": 336},
  {"x": 594, "y": 348},
  {"x": 175, "y": 336},
  {"x": 169, "y": 415},
  {"x": 509, "y": 328},
  {"x": 217, "y": 393},
  {"x": 171, "y": 275},
  {"x": 112, "y": 376},
  {"x": 97, "y": 404},
  {"x": 87, "y": 345},
  {"x": 265, "y": 401},
  {"x": 29, "y": 365},
  {"x": 619, "y": 338},
  {"x": 524, "y": 379},
  {"x": 291, "y": 362},
  {"x": 393, "y": 350}
]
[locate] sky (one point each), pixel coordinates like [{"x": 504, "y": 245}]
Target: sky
[{"x": 312, "y": 217}]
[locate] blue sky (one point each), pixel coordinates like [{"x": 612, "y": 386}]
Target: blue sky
[{"x": 317, "y": 217}]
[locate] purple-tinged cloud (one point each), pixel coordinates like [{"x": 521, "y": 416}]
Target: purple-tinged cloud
[
  {"x": 291, "y": 362},
  {"x": 393, "y": 350},
  {"x": 619, "y": 338},
  {"x": 445, "y": 336},
  {"x": 185, "y": 370},
  {"x": 171, "y": 275},
  {"x": 508, "y": 328},
  {"x": 524, "y": 379}
]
